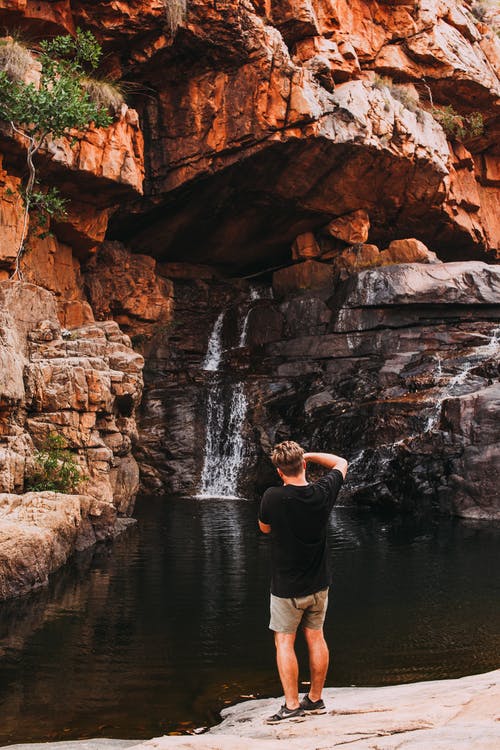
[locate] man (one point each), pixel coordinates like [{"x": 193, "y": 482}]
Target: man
[{"x": 296, "y": 517}]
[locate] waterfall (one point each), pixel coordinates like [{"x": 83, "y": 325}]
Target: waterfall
[
  {"x": 254, "y": 295},
  {"x": 225, "y": 417},
  {"x": 375, "y": 458},
  {"x": 479, "y": 353},
  {"x": 224, "y": 450},
  {"x": 214, "y": 349}
]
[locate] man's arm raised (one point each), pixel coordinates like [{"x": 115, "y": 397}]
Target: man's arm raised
[{"x": 328, "y": 460}]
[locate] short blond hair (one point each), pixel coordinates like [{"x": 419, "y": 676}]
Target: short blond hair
[{"x": 289, "y": 457}]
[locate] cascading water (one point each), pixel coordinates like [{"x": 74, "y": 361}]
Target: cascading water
[
  {"x": 479, "y": 354},
  {"x": 225, "y": 418},
  {"x": 369, "y": 461},
  {"x": 254, "y": 295},
  {"x": 225, "y": 446},
  {"x": 214, "y": 349}
]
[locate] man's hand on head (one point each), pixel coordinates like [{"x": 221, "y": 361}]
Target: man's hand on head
[{"x": 328, "y": 460}]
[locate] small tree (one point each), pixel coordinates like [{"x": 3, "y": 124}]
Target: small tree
[
  {"x": 55, "y": 469},
  {"x": 57, "y": 105}
]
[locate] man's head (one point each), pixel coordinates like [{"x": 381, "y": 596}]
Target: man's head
[{"x": 288, "y": 457}]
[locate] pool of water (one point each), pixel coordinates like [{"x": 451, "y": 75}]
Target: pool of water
[{"x": 158, "y": 631}]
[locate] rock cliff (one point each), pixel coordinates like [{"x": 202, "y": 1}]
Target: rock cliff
[
  {"x": 351, "y": 147},
  {"x": 83, "y": 385}
]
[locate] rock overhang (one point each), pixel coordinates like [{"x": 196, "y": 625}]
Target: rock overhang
[{"x": 242, "y": 209}]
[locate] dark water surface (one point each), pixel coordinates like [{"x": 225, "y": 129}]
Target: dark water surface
[{"x": 158, "y": 631}]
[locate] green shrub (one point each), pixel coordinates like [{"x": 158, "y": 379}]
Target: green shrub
[
  {"x": 456, "y": 126},
  {"x": 56, "y": 469}
]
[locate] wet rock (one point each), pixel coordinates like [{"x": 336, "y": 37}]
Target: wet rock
[
  {"x": 474, "y": 423},
  {"x": 457, "y": 283},
  {"x": 305, "y": 314}
]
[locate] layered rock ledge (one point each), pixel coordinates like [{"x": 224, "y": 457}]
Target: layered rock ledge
[{"x": 83, "y": 385}]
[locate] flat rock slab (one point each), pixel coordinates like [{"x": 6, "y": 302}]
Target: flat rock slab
[
  {"x": 97, "y": 744},
  {"x": 461, "y": 714},
  {"x": 458, "y": 283}
]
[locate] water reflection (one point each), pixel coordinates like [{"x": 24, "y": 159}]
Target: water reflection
[{"x": 171, "y": 622}]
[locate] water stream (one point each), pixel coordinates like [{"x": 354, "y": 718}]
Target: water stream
[
  {"x": 225, "y": 417},
  {"x": 377, "y": 457},
  {"x": 254, "y": 295},
  {"x": 478, "y": 354}
]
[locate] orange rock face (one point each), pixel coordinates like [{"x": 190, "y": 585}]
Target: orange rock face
[
  {"x": 128, "y": 288},
  {"x": 302, "y": 278},
  {"x": 288, "y": 128},
  {"x": 266, "y": 120},
  {"x": 10, "y": 218}
]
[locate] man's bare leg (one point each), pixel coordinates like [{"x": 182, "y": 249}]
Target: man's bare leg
[
  {"x": 288, "y": 667},
  {"x": 318, "y": 661}
]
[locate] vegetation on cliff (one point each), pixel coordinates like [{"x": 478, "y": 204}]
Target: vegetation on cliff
[
  {"x": 55, "y": 468},
  {"x": 59, "y": 103}
]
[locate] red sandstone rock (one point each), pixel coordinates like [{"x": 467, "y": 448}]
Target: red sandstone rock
[
  {"x": 351, "y": 228},
  {"x": 243, "y": 96},
  {"x": 407, "y": 251},
  {"x": 114, "y": 153},
  {"x": 10, "y": 219},
  {"x": 354, "y": 259},
  {"x": 126, "y": 287},
  {"x": 303, "y": 277},
  {"x": 305, "y": 246}
]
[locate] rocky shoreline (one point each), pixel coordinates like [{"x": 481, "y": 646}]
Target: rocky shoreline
[{"x": 454, "y": 714}]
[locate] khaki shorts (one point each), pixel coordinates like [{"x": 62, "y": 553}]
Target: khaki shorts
[{"x": 287, "y": 614}]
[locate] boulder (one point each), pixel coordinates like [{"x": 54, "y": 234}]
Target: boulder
[
  {"x": 356, "y": 258},
  {"x": 305, "y": 246},
  {"x": 40, "y": 530},
  {"x": 407, "y": 251},
  {"x": 416, "y": 283},
  {"x": 303, "y": 278},
  {"x": 351, "y": 228}
]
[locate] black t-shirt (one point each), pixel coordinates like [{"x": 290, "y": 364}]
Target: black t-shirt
[{"x": 298, "y": 516}]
